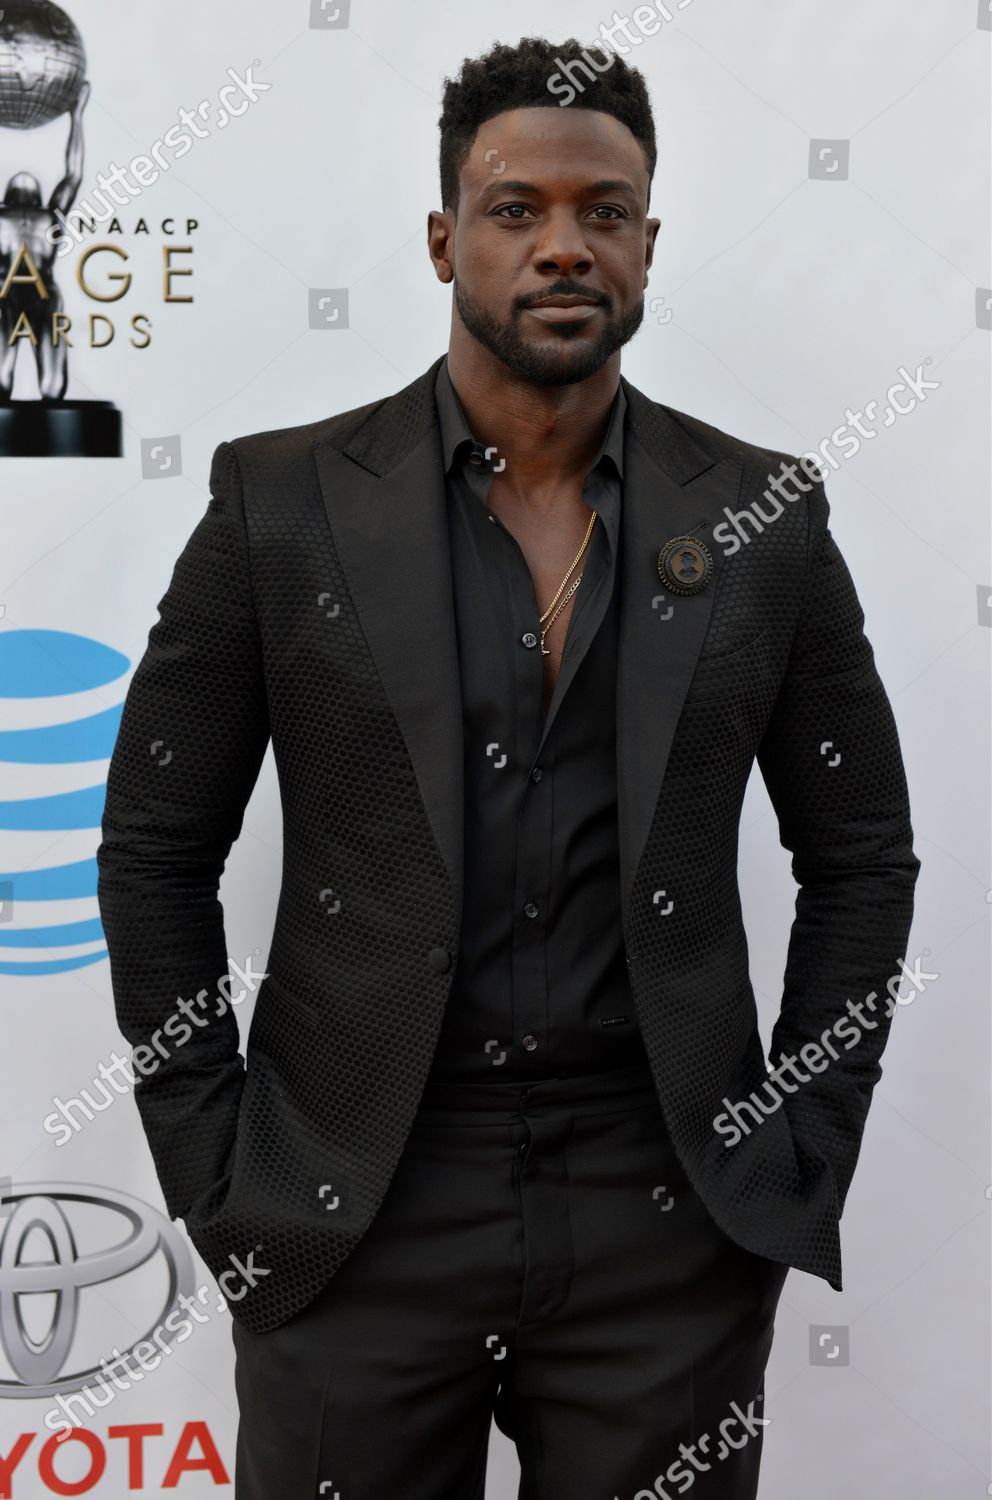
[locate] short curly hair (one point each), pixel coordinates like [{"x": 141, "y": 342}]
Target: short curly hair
[{"x": 517, "y": 77}]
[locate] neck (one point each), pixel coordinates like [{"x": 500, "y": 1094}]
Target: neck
[{"x": 548, "y": 434}]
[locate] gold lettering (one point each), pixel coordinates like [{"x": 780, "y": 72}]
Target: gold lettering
[{"x": 121, "y": 276}]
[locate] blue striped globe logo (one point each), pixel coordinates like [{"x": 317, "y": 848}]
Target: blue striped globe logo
[{"x": 61, "y": 698}]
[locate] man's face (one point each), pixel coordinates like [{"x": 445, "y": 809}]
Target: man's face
[{"x": 552, "y": 203}]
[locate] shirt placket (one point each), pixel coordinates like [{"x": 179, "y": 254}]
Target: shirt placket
[{"x": 533, "y": 739}]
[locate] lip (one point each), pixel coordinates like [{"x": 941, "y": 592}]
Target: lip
[{"x": 564, "y": 310}]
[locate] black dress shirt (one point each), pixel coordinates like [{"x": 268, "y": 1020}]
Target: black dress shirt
[{"x": 541, "y": 987}]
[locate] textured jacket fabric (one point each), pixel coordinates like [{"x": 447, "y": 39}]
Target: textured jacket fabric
[{"x": 312, "y": 605}]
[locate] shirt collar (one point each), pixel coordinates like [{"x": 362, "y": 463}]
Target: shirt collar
[{"x": 455, "y": 430}]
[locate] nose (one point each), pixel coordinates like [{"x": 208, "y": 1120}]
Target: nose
[{"x": 562, "y": 245}]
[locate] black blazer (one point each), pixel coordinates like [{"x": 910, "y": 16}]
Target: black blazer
[{"x": 312, "y": 603}]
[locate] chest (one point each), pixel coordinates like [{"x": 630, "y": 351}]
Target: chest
[{"x": 555, "y": 540}]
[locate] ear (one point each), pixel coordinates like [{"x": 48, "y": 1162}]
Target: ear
[
  {"x": 440, "y": 233},
  {"x": 651, "y": 228}
]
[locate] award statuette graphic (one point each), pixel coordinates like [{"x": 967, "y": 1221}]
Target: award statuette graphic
[{"x": 42, "y": 75}]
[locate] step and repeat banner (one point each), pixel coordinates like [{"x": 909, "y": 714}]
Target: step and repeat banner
[{"x": 213, "y": 221}]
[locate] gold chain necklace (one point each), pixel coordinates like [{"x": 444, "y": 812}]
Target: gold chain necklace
[{"x": 575, "y": 583}]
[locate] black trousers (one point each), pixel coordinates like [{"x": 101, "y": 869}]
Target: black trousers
[{"x": 540, "y": 1259}]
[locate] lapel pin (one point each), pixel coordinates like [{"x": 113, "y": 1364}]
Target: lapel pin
[{"x": 685, "y": 564}]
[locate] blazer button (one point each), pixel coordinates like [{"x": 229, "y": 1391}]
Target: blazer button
[{"x": 439, "y": 960}]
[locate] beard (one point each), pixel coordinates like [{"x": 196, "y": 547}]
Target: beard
[{"x": 563, "y": 357}]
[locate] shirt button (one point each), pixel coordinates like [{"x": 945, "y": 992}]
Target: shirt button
[
  {"x": 530, "y": 1041},
  {"x": 536, "y": 774},
  {"x": 530, "y": 910},
  {"x": 476, "y": 458},
  {"x": 529, "y": 638}
]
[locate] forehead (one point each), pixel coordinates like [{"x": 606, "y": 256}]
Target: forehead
[{"x": 548, "y": 144}]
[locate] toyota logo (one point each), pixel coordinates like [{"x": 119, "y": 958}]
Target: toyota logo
[{"x": 95, "y": 1235}]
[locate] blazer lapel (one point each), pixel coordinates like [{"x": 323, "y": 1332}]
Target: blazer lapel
[
  {"x": 385, "y": 501},
  {"x": 672, "y": 486}
]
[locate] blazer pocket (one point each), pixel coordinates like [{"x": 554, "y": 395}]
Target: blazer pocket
[
  {"x": 745, "y": 664},
  {"x": 718, "y": 657}
]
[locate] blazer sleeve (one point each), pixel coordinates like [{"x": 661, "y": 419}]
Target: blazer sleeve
[
  {"x": 831, "y": 760},
  {"x": 192, "y": 737}
]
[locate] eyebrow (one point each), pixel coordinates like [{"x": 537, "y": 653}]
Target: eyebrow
[{"x": 605, "y": 185}]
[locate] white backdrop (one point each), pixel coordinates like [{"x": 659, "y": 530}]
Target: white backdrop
[{"x": 777, "y": 300}]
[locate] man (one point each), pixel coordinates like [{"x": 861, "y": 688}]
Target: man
[{"x": 495, "y": 1149}]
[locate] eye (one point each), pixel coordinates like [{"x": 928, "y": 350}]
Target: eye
[{"x": 506, "y": 210}]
